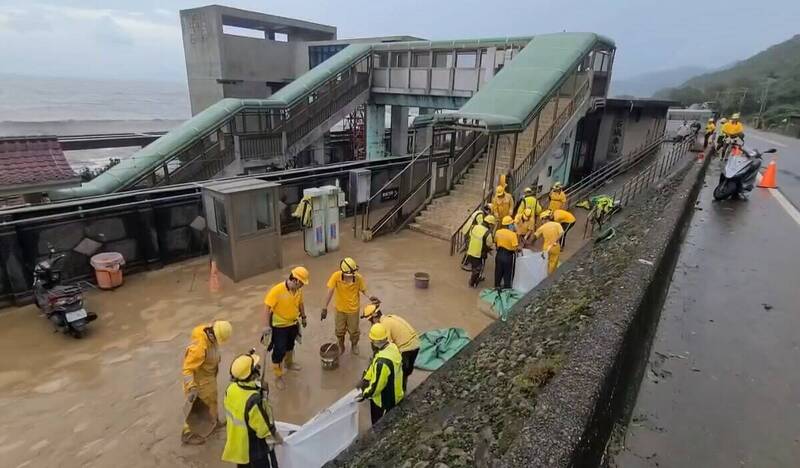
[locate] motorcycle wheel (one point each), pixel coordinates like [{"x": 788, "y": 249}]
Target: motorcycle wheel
[{"x": 724, "y": 190}]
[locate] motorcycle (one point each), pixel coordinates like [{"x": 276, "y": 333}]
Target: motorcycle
[
  {"x": 61, "y": 304},
  {"x": 739, "y": 174}
]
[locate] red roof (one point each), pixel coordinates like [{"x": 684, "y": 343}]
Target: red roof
[{"x": 26, "y": 161}]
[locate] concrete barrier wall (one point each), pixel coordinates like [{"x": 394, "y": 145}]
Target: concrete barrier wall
[{"x": 545, "y": 387}]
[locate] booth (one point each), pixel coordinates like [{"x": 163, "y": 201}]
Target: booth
[{"x": 244, "y": 229}]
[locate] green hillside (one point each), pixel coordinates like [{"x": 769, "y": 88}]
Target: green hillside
[{"x": 741, "y": 87}]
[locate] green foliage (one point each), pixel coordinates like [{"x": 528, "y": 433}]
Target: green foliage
[{"x": 740, "y": 87}]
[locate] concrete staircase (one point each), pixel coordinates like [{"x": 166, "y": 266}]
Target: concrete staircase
[{"x": 444, "y": 215}]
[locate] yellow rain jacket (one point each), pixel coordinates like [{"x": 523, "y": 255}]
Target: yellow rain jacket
[
  {"x": 502, "y": 206},
  {"x": 732, "y": 129},
  {"x": 384, "y": 378},
  {"x": 558, "y": 200},
  {"x": 200, "y": 367},
  {"x": 710, "y": 128},
  {"x": 303, "y": 212},
  {"x": 249, "y": 422}
]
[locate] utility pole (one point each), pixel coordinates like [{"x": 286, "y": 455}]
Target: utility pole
[{"x": 763, "y": 103}]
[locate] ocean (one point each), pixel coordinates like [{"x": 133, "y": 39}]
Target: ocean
[{"x": 70, "y": 106}]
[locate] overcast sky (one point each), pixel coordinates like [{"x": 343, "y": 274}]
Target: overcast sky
[{"x": 140, "y": 39}]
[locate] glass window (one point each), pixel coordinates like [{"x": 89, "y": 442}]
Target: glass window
[
  {"x": 381, "y": 60},
  {"x": 220, "y": 217},
  {"x": 442, "y": 59},
  {"x": 262, "y": 207},
  {"x": 466, "y": 60},
  {"x": 421, "y": 60},
  {"x": 400, "y": 59}
]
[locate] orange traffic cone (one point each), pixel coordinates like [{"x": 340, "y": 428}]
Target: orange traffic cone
[
  {"x": 213, "y": 278},
  {"x": 769, "y": 179}
]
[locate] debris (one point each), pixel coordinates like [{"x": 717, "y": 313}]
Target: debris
[
  {"x": 645, "y": 262},
  {"x": 694, "y": 369},
  {"x": 767, "y": 306}
]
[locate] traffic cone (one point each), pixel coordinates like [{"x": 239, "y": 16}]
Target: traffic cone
[
  {"x": 213, "y": 278},
  {"x": 769, "y": 178}
]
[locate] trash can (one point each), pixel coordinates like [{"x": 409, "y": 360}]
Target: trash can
[{"x": 108, "y": 269}]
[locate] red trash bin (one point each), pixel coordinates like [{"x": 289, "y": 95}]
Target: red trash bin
[{"x": 108, "y": 269}]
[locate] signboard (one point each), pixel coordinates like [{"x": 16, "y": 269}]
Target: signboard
[{"x": 390, "y": 194}]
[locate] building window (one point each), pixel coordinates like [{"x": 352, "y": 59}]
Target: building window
[
  {"x": 319, "y": 54},
  {"x": 220, "y": 217},
  {"x": 381, "y": 60},
  {"x": 281, "y": 37},
  {"x": 421, "y": 60},
  {"x": 442, "y": 59},
  {"x": 400, "y": 59},
  {"x": 466, "y": 60}
]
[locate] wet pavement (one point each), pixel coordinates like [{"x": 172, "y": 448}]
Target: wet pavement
[
  {"x": 722, "y": 386},
  {"x": 788, "y": 160},
  {"x": 114, "y": 398}
]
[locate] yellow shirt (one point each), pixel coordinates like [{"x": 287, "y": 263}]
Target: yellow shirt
[
  {"x": 557, "y": 200},
  {"x": 285, "y": 305},
  {"x": 346, "y": 294},
  {"x": 523, "y": 226},
  {"x": 401, "y": 333},
  {"x": 551, "y": 231},
  {"x": 563, "y": 216},
  {"x": 710, "y": 127},
  {"x": 732, "y": 129},
  {"x": 506, "y": 239}
]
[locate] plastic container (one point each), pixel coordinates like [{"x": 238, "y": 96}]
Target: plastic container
[
  {"x": 329, "y": 354},
  {"x": 421, "y": 280},
  {"x": 108, "y": 269}
]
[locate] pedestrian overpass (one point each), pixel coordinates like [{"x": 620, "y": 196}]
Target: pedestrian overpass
[{"x": 509, "y": 99}]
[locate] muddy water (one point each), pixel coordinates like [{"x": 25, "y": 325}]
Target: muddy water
[{"x": 114, "y": 398}]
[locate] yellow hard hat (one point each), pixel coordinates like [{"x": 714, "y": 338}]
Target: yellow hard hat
[
  {"x": 243, "y": 366},
  {"x": 735, "y": 116},
  {"x": 222, "y": 330},
  {"x": 301, "y": 273},
  {"x": 500, "y": 190},
  {"x": 711, "y": 119},
  {"x": 528, "y": 190},
  {"x": 370, "y": 310},
  {"x": 507, "y": 220},
  {"x": 527, "y": 213},
  {"x": 348, "y": 265},
  {"x": 546, "y": 214},
  {"x": 378, "y": 332},
  {"x": 489, "y": 219},
  {"x": 723, "y": 120},
  {"x": 557, "y": 186}
]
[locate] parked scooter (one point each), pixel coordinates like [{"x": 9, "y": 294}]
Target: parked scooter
[
  {"x": 61, "y": 304},
  {"x": 739, "y": 174}
]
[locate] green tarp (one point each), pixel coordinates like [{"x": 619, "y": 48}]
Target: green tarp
[
  {"x": 437, "y": 346},
  {"x": 501, "y": 300}
]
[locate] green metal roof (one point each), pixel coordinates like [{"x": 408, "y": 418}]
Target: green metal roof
[{"x": 511, "y": 97}]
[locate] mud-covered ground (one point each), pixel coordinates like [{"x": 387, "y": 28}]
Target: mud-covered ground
[{"x": 471, "y": 414}]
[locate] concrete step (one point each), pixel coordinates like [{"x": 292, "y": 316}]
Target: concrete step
[{"x": 427, "y": 230}]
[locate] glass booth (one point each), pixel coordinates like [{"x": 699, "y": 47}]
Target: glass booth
[{"x": 244, "y": 230}]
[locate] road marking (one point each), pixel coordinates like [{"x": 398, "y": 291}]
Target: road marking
[
  {"x": 786, "y": 205},
  {"x": 771, "y": 142}
]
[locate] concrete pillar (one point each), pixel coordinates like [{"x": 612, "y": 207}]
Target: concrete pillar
[
  {"x": 146, "y": 236},
  {"x": 423, "y": 138},
  {"x": 12, "y": 261},
  {"x": 399, "y": 130},
  {"x": 376, "y": 128},
  {"x": 318, "y": 149}
]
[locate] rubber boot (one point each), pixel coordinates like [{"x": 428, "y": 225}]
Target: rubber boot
[
  {"x": 340, "y": 342},
  {"x": 354, "y": 347},
  {"x": 278, "y": 371},
  {"x": 289, "y": 361}
]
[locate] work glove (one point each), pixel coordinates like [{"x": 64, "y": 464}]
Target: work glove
[
  {"x": 303, "y": 321},
  {"x": 277, "y": 438},
  {"x": 192, "y": 395},
  {"x": 324, "y": 313},
  {"x": 359, "y": 398},
  {"x": 265, "y": 334}
]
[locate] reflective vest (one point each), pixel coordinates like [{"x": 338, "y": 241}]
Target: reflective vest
[
  {"x": 478, "y": 241},
  {"x": 384, "y": 378},
  {"x": 249, "y": 422},
  {"x": 529, "y": 202}
]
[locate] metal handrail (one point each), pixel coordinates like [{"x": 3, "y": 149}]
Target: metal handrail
[
  {"x": 368, "y": 203},
  {"x": 385, "y": 218}
]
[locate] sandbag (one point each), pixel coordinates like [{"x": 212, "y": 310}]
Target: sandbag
[
  {"x": 501, "y": 301},
  {"x": 437, "y": 346},
  {"x": 530, "y": 269}
]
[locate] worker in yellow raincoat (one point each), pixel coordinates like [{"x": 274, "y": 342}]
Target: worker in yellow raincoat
[
  {"x": 502, "y": 203},
  {"x": 551, "y": 233},
  {"x": 200, "y": 368},
  {"x": 529, "y": 202},
  {"x": 558, "y": 199},
  {"x": 524, "y": 224}
]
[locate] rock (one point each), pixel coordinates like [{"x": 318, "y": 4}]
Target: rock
[
  {"x": 449, "y": 430},
  {"x": 521, "y": 357},
  {"x": 422, "y": 464},
  {"x": 442, "y": 454},
  {"x": 441, "y": 465},
  {"x": 457, "y": 452},
  {"x": 424, "y": 450},
  {"x": 406, "y": 464}
]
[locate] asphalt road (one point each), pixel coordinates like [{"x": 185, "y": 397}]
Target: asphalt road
[
  {"x": 722, "y": 386},
  {"x": 788, "y": 160}
]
